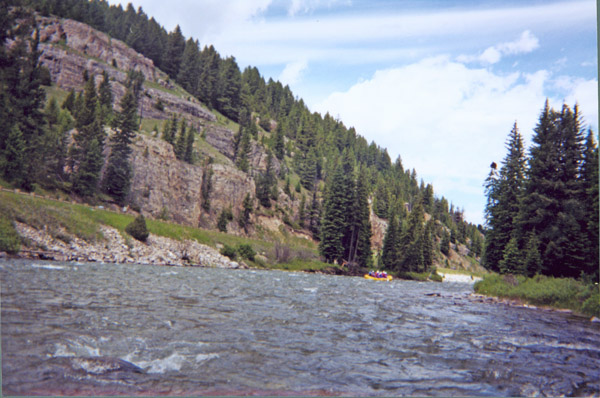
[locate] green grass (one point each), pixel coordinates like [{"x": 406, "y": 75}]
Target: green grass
[
  {"x": 84, "y": 221},
  {"x": 566, "y": 293}
]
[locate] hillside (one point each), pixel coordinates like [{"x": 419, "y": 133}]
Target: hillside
[{"x": 301, "y": 151}]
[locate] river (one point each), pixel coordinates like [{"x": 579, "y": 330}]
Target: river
[{"x": 108, "y": 329}]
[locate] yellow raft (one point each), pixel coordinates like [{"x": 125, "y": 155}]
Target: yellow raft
[{"x": 367, "y": 276}]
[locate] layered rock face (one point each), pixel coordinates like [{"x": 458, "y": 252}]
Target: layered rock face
[
  {"x": 166, "y": 187},
  {"x": 69, "y": 47}
]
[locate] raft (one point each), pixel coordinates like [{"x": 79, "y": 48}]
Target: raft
[{"x": 367, "y": 276}]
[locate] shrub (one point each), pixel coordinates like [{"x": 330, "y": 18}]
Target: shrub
[
  {"x": 137, "y": 229},
  {"x": 10, "y": 241},
  {"x": 224, "y": 218},
  {"x": 246, "y": 251},
  {"x": 229, "y": 251}
]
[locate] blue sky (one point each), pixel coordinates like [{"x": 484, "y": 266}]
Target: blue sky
[{"x": 438, "y": 83}]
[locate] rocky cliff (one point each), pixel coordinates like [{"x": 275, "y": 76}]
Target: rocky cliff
[{"x": 162, "y": 185}]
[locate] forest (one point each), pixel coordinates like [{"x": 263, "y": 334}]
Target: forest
[
  {"x": 542, "y": 209},
  {"x": 341, "y": 175}
]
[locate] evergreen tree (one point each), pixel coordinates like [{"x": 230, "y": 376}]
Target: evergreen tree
[
  {"x": 533, "y": 262},
  {"x": 589, "y": 175},
  {"x": 445, "y": 244},
  {"x": 411, "y": 241},
  {"x": 229, "y": 88},
  {"x": 314, "y": 224},
  {"x": 390, "y": 255},
  {"x": 265, "y": 183},
  {"x": 22, "y": 99},
  {"x": 505, "y": 200},
  {"x": 551, "y": 203},
  {"x": 188, "y": 155},
  {"x": 206, "y": 187},
  {"x": 189, "y": 71},
  {"x": 333, "y": 223},
  {"x": 511, "y": 260},
  {"x": 181, "y": 140},
  {"x": 89, "y": 143},
  {"x": 279, "y": 144},
  {"x": 209, "y": 76},
  {"x": 105, "y": 97},
  {"x": 173, "y": 52},
  {"x": 117, "y": 178},
  {"x": 362, "y": 224},
  {"x": 243, "y": 149},
  {"x": 428, "y": 236},
  {"x": 247, "y": 207},
  {"x": 85, "y": 180},
  {"x": 170, "y": 130}
]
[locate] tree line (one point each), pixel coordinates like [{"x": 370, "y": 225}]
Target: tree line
[
  {"x": 338, "y": 171},
  {"x": 542, "y": 207}
]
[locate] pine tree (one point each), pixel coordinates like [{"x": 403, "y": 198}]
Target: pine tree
[
  {"x": 209, "y": 76},
  {"x": 117, "y": 178},
  {"x": 243, "y": 149},
  {"x": 206, "y": 187},
  {"x": 445, "y": 244},
  {"x": 170, "y": 130},
  {"x": 511, "y": 260},
  {"x": 333, "y": 222},
  {"x": 22, "y": 99},
  {"x": 247, "y": 207},
  {"x": 390, "y": 255},
  {"x": 181, "y": 140},
  {"x": 411, "y": 241},
  {"x": 173, "y": 52},
  {"x": 189, "y": 70},
  {"x": 265, "y": 183},
  {"x": 188, "y": 155},
  {"x": 105, "y": 97},
  {"x": 89, "y": 143},
  {"x": 362, "y": 224},
  {"x": 229, "y": 88},
  {"x": 533, "y": 262},
  {"x": 551, "y": 203},
  {"x": 314, "y": 225},
  {"x": 428, "y": 236},
  {"x": 86, "y": 178},
  {"x": 279, "y": 144},
  {"x": 504, "y": 195},
  {"x": 589, "y": 175}
]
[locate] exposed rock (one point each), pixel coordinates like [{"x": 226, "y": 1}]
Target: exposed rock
[
  {"x": 166, "y": 187},
  {"x": 69, "y": 47},
  {"x": 115, "y": 248}
]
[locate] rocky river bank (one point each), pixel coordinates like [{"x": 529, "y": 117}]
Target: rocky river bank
[{"x": 116, "y": 248}]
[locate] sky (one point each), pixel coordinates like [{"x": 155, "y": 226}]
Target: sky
[{"x": 439, "y": 83}]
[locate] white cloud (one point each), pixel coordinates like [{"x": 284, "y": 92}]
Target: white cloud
[
  {"x": 292, "y": 72},
  {"x": 449, "y": 121},
  {"x": 305, "y": 6},
  {"x": 525, "y": 44}
]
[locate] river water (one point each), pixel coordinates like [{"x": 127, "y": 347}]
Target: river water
[{"x": 107, "y": 329}]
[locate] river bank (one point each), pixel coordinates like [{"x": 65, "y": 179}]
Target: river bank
[{"x": 120, "y": 248}]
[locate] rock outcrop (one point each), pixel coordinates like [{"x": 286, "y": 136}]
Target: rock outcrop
[
  {"x": 115, "y": 248},
  {"x": 69, "y": 47},
  {"x": 165, "y": 187}
]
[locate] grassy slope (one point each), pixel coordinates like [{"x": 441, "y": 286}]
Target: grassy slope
[
  {"x": 83, "y": 221},
  {"x": 541, "y": 290}
]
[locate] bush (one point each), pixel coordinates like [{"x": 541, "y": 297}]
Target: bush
[
  {"x": 246, "y": 251},
  {"x": 10, "y": 241},
  {"x": 224, "y": 218},
  {"x": 229, "y": 251},
  {"x": 138, "y": 229}
]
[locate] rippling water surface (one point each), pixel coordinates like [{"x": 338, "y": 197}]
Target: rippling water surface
[{"x": 130, "y": 329}]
